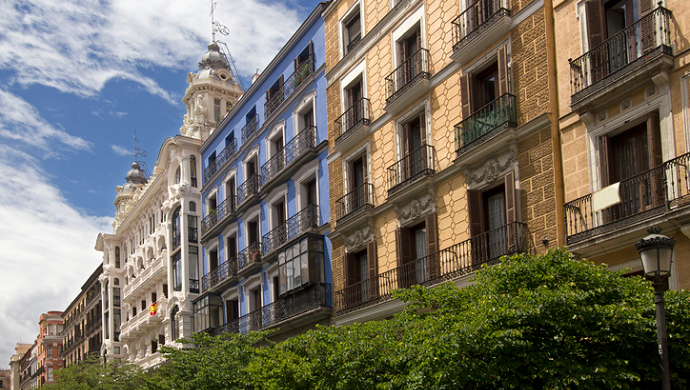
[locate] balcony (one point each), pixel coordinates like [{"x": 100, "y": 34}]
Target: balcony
[
  {"x": 450, "y": 263},
  {"x": 250, "y": 128},
  {"x": 408, "y": 82},
  {"x": 354, "y": 202},
  {"x": 482, "y": 23},
  {"x": 225, "y": 273},
  {"x": 354, "y": 42},
  {"x": 416, "y": 165},
  {"x": 486, "y": 123},
  {"x": 312, "y": 298},
  {"x": 248, "y": 190},
  {"x": 299, "y": 223},
  {"x": 353, "y": 125},
  {"x": 220, "y": 159},
  {"x": 623, "y": 62},
  {"x": 224, "y": 210},
  {"x": 302, "y": 72},
  {"x": 249, "y": 259},
  {"x": 298, "y": 147},
  {"x": 654, "y": 195}
]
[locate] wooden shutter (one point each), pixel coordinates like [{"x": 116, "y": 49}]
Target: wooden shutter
[
  {"x": 503, "y": 71},
  {"x": 474, "y": 200},
  {"x": 655, "y": 157},
  {"x": 596, "y": 22},
  {"x": 311, "y": 49},
  {"x": 465, "y": 96},
  {"x": 365, "y": 170},
  {"x": 511, "y": 209},
  {"x": 161, "y": 339},
  {"x": 432, "y": 245},
  {"x": 645, "y": 7},
  {"x": 605, "y": 152},
  {"x": 350, "y": 270},
  {"x": 373, "y": 266},
  {"x": 280, "y": 81}
]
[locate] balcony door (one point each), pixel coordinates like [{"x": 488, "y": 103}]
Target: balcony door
[
  {"x": 408, "y": 57},
  {"x": 357, "y": 196},
  {"x": 361, "y": 282},
  {"x": 353, "y": 95},
  {"x": 415, "y": 244},
  {"x": 412, "y": 139}
]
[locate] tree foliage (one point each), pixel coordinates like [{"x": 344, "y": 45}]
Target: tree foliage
[
  {"x": 94, "y": 374},
  {"x": 530, "y": 322}
]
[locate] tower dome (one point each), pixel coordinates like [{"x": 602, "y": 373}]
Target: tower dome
[
  {"x": 214, "y": 64},
  {"x": 134, "y": 176}
]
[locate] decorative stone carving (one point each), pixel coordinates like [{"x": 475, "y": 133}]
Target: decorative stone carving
[
  {"x": 359, "y": 238},
  {"x": 602, "y": 116},
  {"x": 416, "y": 208},
  {"x": 625, "y": 104},
  {"x": 492, "y": 170}
]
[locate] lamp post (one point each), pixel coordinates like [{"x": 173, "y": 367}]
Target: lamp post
[{"x": 656, "y": 251}]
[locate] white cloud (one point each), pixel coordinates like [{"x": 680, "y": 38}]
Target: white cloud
[
  {"x": 77, "y": 46},
  {"x": 45, "y": 255},
  {"x": 121, "y": 150},
  {"x": 20, "y": 121}
]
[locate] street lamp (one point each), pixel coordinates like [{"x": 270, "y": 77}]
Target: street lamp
[{"x": 656, "y": 251}]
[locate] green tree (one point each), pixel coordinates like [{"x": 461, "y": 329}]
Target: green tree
[{"x": 93, "y": 374}]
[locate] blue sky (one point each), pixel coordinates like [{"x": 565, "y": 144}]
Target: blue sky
[{"x": 77, "y": 78}]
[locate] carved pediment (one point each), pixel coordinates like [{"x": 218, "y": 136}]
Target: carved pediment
[
  {"x": 490, "y": 170},
  {"x": 416, "y": 208},
  {"x": 359, "y": 238}
]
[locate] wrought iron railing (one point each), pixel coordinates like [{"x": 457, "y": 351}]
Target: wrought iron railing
[
  {"x": 293, "y": 81},
  {"x": 299, "y": 223},
  {"x": 352, "y": 119},
  {"x": 477, "y": 18},
  {"x": 311, "y": 298},
  {"x": 248, "y": 189},
  {"x": 457, "y": 260},
  {"x": 354, "y": 42},
  {"x": 220, "y": 159},
  {"x": 176, "y": 241},
  {"x": 226, "y": 208},
  {"x": 225, "y": 271},
  {"x": 644, "y": 195},
  {"x": 635, "y": 42},
  {"x": 248, "y": 256},
  {"x": 303, "y": 141},
  {"x": 359, "y": 199},
  {"x": 479, "y": 127},
  {"x": 250, "y": 128},
  {"x": 417, "y": 164},
  {"x": 412, "y": 70}
]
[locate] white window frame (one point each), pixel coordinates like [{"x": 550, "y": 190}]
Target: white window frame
[
  {"x": 360, "y": 70},
  {"x": 254, "y": 151},
  {"x": 306, "y": 102},
  {"x": 254, "y": 212},
  {"x": 231, "y": 174},
  {"x": 358, "y": 6},
  {"x": 401, "y": 31},
  {"x": 424, "y": 105},
  {"x": 271, "y": 272},
  {"x": 277, "y": 130},
  {"x": 250, "y": 284},
  {"x": 210, "y": 194},
  {"x": 305, "y": 173},
  {"x": 275, "y": 196},
  {"x": 347, "y": 160}
]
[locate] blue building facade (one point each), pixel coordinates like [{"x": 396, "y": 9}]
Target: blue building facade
[{"x": 266, "y": 257}]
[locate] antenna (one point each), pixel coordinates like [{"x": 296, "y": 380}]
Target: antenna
[
  {"x": 142, "y": 153},
  {"x": 217, "y": 27}
]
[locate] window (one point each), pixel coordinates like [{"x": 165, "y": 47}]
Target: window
[
  {"x": 481, "y": 88},
  {"x": 193, "y": 269},
  {"x": 192, "y": 170},
  {"x": 211, "y": 160},
  {"x": 492, "y": 213},
  {"x": 174, "y": 324},
  {"x": 232, "y": 310},
  {"x": 192, "y": 229},
  {"x": 274, "y": 96},
  {"x": 176, "y": 229},
  {"x": 212, "y": 259},
  {"x": 230, "y": 139},
  {"x": 310, "y": 189},
  {"x": 153, "y": 297},
  {"x": 117, "y": 319},
  {"x": 177, "y": 271},
  {"x": 143, "y": 305},
  {"x": 360, "y": 268},
  {"x": 303, "y": 65},
  {"x": 192, "y": 206},
  {"x": 178, "y": 175},
  {"x": 352, "y": 31},
  {"x": 301, "y": 264},
  {"x": 230, "y": 188},
  {"x": 208, "y": 312},
  {"x": 216, "y": 110},
  {"x": 231, "y": 247},
  {"x": 414, "y": 244},
  {"x": 116, "y": 296}
]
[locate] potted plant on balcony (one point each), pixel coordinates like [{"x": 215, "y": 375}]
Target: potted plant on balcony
[{"x": 301, "y": 74}]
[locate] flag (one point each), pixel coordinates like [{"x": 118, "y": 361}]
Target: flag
[{"x": 154, "y": 308}]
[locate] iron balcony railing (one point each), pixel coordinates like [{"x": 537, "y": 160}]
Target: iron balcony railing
[
  {"x": 313, "y": 297},
  {"x": 477, "y": 18},
  {"x": 352, "y": 119},
  {"x": 643, "y": 196},
  {"x": 457, "y": 260},
  {"x": 354, "y": 42},
  {"x": 248, "y": 256},
  {"x": 250, "y": 128},
  {"x": 226, "y": 208},
  {"x": 225, "y": 271},
  {"x": 633, "y": 43},
  {"x": 303, "y": 141},
  {"x": 479, "y": 127},
  {"x": 412, "y": 70},
  {"x": 359, "y": 199},
  {"x": 278, "y": 96},
  {"x": 417, "y": 164},
  {"x": 248, "y": 189},
  {"x": 299, "y": 223},
  {"x": 220, "y": 159}
]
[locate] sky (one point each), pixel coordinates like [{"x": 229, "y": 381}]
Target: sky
[{"x": 78, "y": 78}]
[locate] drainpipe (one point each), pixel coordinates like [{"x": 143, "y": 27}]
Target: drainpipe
[{"x": 559, "y": 188}]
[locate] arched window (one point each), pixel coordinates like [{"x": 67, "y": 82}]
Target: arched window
[
  {"x": 192, "y": 170},
  {"x": 176, "y": 229},
  {"x": 117, "y": 257},
  {"x": 174, "y": 325},
  {"x": 116, "y": 281},
  {"x": 178, "y": 175},
  {"x": 192, "y": 206}
]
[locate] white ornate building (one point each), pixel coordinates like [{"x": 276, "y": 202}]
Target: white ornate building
[{"x": 151, "y": 260}]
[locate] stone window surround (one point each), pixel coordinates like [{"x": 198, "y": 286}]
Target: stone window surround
[
  {"x": 347, "y": 160},
  {"x": 360, "y": 70},
  {"x": 302, "y": 106},
  {"x": 308, "y": 171},
  {"x": 249, "y": 215},
  {"x": 275, "y": 195},
  {"x": 357, "y": 6},
  {"x": 418, "y": 16},
  {"x": 424, "y": 105},
  {"x": 278, "y": 129}
]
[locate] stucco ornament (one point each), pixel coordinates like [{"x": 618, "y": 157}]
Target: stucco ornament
[
  {"x": 416, "y": 208},
  {"x": 492, "y": 170},
  {"x": 359, "y": 238}
]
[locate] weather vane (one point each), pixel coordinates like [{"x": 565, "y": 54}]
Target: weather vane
[
  {"x": 215, "y": 26},
  {"x": 137, "y": 150}
]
